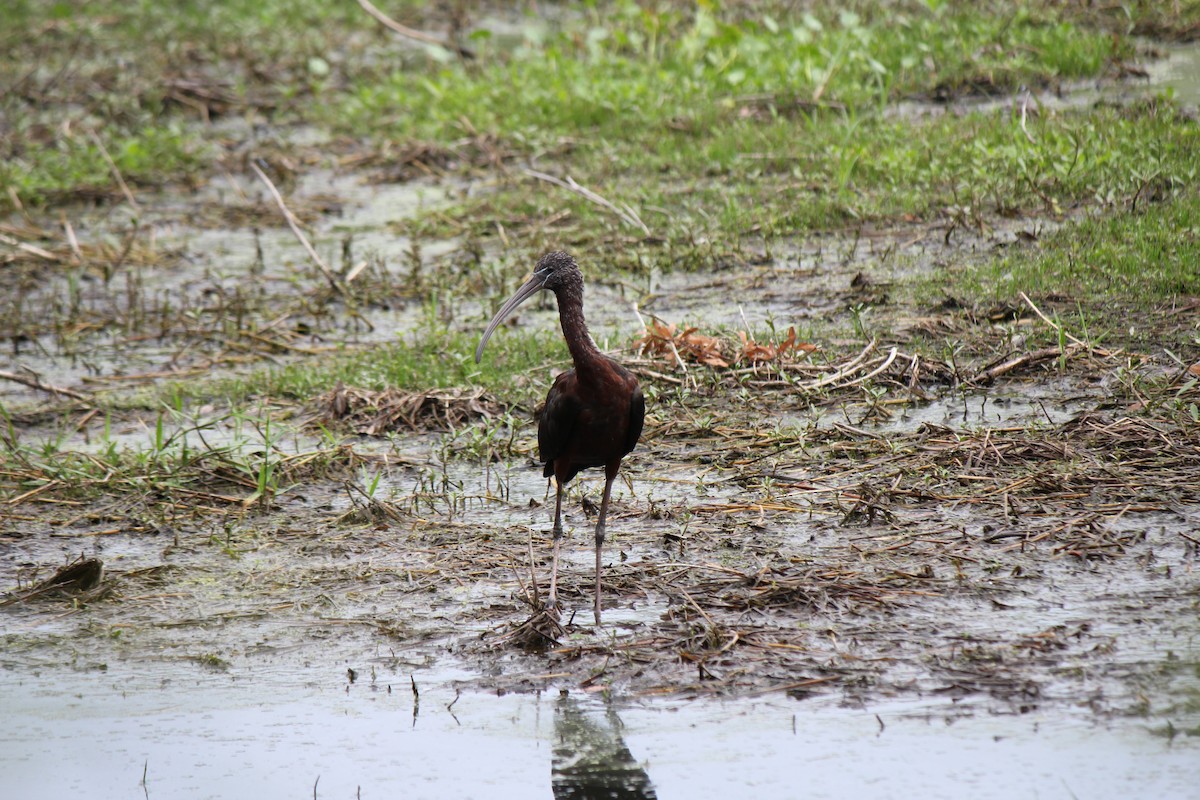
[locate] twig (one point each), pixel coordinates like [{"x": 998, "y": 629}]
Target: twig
[
  {"x": 989, "y": 375},
  {"x": 645, "y": 372},
  {"x": 29, "y": 248},
  {"x": 787, "y": 687},
  {"x": 834, "y": 66},
  {"x": 386, "y": 509},
  {"x": 627, "y": 215},
  {"x": 532, "y": 575},
  {"x": 71, "y": 240},
  {"x": 291, "y": 221},
  {"x": 887, "y": 363},
  {"x": 1063, "y": 331},
  {"x": 711, "y": 623},
  {"x": 16, "y": 199},
  {"x": 112, "y": 165},
  {"x": 846, "y": 369},
  {"x": 125, "y": 250},
  {"x": 1024, "y": 110},
  {"x": 37, "y": 383},
  {"x": 412, "y": 33},
  {"x": 1145, "y": 185}
]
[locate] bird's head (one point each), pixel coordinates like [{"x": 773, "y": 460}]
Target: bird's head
[{"x": 555, "y": 272}]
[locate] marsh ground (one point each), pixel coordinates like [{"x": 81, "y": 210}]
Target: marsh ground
[{"x": 912, "y": 290}]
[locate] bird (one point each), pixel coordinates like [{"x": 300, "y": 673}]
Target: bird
[{"x": 594, "y": 412}]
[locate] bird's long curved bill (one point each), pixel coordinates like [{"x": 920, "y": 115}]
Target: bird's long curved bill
[{"x": 530, "y": 288}]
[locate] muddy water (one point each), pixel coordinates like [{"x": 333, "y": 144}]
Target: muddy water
[
  {"x": 231, "y": 676},
  {"x": 305, "y": 731},
  {"x": 1175, "y": 70},
  {"x": 1179, "y": 74},
  {"x": 160, "y": 315}
]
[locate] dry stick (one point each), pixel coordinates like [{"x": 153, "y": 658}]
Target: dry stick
[
  {"x": 45, "y": 487},
  {"x": 16, "y": 199},
  {"x": 71, "y": 240},
  {"x": 412, "y": 33},
  {"x": 1063, "y": 331},
  {"x": 112, "y": 165},
  {"x": 987, "y": 376},
  {"x": 887, "y": 363},
  {"x": 36, "y": 383},
  {"x": 711, "y": 623},
  {"x": 129, "y": 240},
  {"x": 834, "y": 66},
  {"x": 29, "y": 248},
  {"x": 1024, "y": 111},
  {"x": 291, "y": 221},
  {"x": 846, "y": 369},
  {"x": 533, "y": 573},
  {"x": 658, "y": 376},
  {"x": 628, "y": 215}
]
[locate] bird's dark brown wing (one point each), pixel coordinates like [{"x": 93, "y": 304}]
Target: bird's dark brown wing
[
  {"x": 637, "y": 416},
  {"x": 557, "y": 420}
]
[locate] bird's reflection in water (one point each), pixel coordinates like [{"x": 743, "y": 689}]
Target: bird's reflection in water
[{"x": 591, "y": 760}]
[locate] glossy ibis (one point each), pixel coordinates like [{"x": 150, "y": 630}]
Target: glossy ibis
[{"x": 593, "y": 413}]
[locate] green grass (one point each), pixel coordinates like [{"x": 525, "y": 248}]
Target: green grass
[
  {"x": 1143, "y": 260},
  {"x": 786, "y": 177},
  {"x": 1174, "y": 20},
  {"x": 628, "y": 72},
  {"x": 73, "y": 165},
  {"x": 113, "y": 69},
  {"x": 431, "y": 359},
  {"x": 198, "y": 29},
  {"x": 244, "y": 459},
  {"x": 747, "y": 125},
  {"x": 689, "y": 87},
  {"x": 1120, "y": 282},
  {"x": 723, "y": 127}
]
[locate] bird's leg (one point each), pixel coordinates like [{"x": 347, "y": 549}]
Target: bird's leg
[
  {"x": 608, "y": 482},
  {"x": 552, "y": 601}
]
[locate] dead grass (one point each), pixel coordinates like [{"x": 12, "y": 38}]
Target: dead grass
[{"x": 377, "y": 413}]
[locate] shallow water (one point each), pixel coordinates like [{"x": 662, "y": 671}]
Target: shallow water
[
  {"x": 306, "y": 731},
  {"x": 1179, "y": 73}
]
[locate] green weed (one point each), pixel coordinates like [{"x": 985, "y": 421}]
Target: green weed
[
  {"x": 428, "y": 360},
  {"x": 629, "y": 72},
  {"x": 72, "y": 164},
  {"x": 1142, "y": 260},
  {"x": 236, "y": 455},
  {"x": 784, "y": 177}
]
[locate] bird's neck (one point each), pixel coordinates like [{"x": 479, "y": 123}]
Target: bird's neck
[{"x": 583, "y": 350}]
